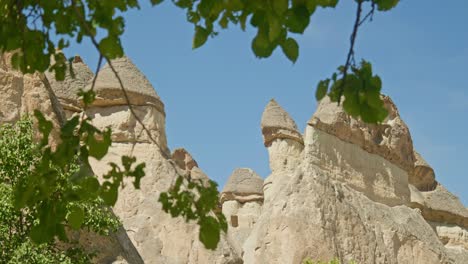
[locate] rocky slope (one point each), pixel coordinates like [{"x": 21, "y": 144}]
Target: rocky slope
[{"x": 342, "y": 189}]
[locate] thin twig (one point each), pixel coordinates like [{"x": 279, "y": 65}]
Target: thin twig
[
  {"x": 53, "y": 99},
  {"x": 124, "y": 91},
  {"x": 97, "y": 72},
  {"x": 369, "y": 15},
  {"x": 350, "y": 56},
  {"x": 127, "y": 99},
  {"x": 122, "y": 87}
]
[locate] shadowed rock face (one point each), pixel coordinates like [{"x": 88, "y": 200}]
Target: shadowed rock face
[
  {"x": 422, "y": 176},
  {"x": 183, "y": 159},
  {"x": 67, "y": 90}
]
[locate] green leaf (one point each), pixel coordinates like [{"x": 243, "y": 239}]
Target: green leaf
[
  {"x": 109, "y": 195},
  {"x": 327, "y": 3},
  {"x": 258, "y": 19},
  {"x": 280, "y": 6},
  {"x": 90, "y": 185},
  {"x": 76, "y": 217},
  {"x": 138, "y": 173},
  {"x": 200, "y": 37},
  {"x": 298, "y": 19},
  {"x": 209, "y": 232},
  {"x": 261, "y": 46},
  {"x": 87, "y": 97},
  {"x": 385, "y": 5},
  {"x": 156, "y": 2},
  {"x": 234, "y": 5},
  {"x": 290, "y": 49},
  {"x": 44, "y": 126},
  {"x": 275, "y": 28},
  {"x": 351, "y": 105},
  {"x": 39, "y": 234},
  {"x": 322, "y": 89},
  {"x": 99, "y": 148},
  {"x": 110, "y": 47}
]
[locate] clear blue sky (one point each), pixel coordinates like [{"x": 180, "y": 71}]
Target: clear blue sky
[{"x": 215, "y": 95}]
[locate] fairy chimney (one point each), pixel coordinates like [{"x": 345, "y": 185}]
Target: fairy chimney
[
  {"x": 283, "y": 141},
  {"x": 128, "y": 104}
]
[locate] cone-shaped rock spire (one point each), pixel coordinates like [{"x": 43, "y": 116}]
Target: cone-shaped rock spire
[
  {"x": 139, "y": 89},
  {"x": 243, "y": 182},
  {"x": 277, "y": 124},
  {"x": 67, "y": 90}
]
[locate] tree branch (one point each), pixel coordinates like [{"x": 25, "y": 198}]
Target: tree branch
[
  {"x": 350, "y": 56},
  {"x": 122, "y": 87},
  {"x": 53, "y": 100}
]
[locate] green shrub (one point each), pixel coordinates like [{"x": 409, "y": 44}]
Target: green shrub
[{"x": 19, "y": 156}]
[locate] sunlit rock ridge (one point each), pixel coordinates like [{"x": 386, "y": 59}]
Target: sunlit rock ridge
[{"x": 342, "y": 189}]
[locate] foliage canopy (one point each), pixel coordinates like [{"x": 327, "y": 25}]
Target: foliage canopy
[
  {"x": 35, "y": 31},
  {"x": 39, "y": 29},
  {"x": 20, "y": 227}
]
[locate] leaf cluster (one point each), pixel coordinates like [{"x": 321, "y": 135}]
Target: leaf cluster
[
  {"x": 61, "y": 179},
  {"x": 276, "y": 21},
  {"x": 37, "y": 30},
  {"x": 361, "y": 90},
  {"x": 19, "y": 156},
  {"x": 196, "y": 201}
]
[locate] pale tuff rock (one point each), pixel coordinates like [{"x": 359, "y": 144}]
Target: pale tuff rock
[
  {"x": 440, "y": 206},
  {"x": 244, "y": 185},
  {"x": 347, "y": 198},
  {"x": 125, "y": 126},
  {"x": 114, "y": 248},
  {"x": 110, "y": 109},
  {"x": 343, "y": 189},
  {"x": 139, "y": 89},
  {"x": 284, "y": 143},
  {"x": 379, "y": 179},
  {"x": 452, "y": 236},
  {"x": 158, "y": 237},
  {"x": 36, "y": 96},
  {"x": 312, "y": 216},
  {"x": 391, "y": 139},
  {"x": 277, "y": 124},
  {"x": 67, "y": 90},
  {"x": 442, "y": 200},
  {"x": 11, "y": 88},
  {"x": 422, "y": 176},
  {"x": 242, "y": 199},
  {"x": 455, "y": 239}
]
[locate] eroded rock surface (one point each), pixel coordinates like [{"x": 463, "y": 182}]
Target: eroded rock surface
[
  {"x": 391, "y": 139},
  {"x": 342, "y": 189},
  {"x": 242, "y": 199},
  {"x": 158, "y": 237}
]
